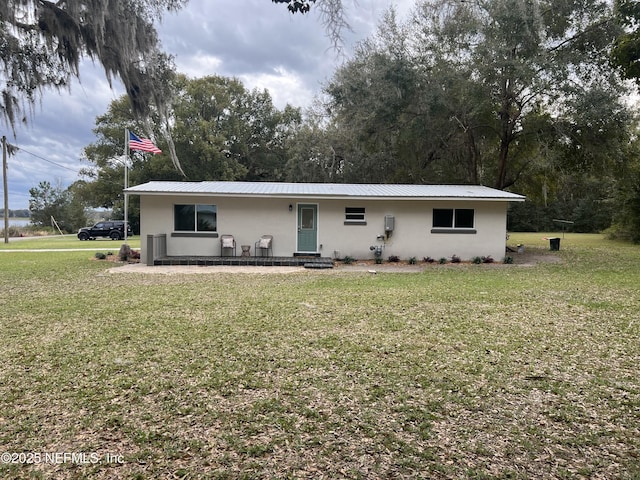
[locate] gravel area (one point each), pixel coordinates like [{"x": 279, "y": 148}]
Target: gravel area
[
  {"x": 527, "y": 259},
  {"x": 194, "y": 269}
]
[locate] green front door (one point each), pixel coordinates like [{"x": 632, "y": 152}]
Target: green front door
[{"x": 307, "y": 228}]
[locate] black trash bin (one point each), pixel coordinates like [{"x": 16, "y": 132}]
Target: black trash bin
[{"x": 554, "y": 243}]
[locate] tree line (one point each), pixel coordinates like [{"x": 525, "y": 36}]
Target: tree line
[
  {"x": 16, "y": 213},
  {"x": 528, "y": 96}
]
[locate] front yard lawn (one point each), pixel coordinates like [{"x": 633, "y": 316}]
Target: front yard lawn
[{"x": 477, "y": 371}]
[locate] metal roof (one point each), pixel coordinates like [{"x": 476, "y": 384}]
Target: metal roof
[{"x": 323, "y": 190}]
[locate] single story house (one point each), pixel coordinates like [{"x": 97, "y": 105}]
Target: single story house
[{"x": 325, "y": 219}]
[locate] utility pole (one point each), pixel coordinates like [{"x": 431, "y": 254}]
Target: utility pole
[
  {"x": 6, "y": 189},
  {"x": 126, "y": 183}
]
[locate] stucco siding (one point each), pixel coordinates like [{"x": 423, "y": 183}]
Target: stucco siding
[
  {"x": 248, "y": 218},
  {"x": 489, "y": 239},
  {"x": 412, "y": 235},
  {"x": 244, "y": 218}
]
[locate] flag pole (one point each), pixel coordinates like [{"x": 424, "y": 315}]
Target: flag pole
[
  {"x": 126, "y": 184},
  {"x": 5, "y": 189}
]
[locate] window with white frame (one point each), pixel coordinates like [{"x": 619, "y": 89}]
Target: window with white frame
[
  {"x": 354, "y": 216},
  {"x": 453, "y": 219},
  {"x": 195, "y": 218}
]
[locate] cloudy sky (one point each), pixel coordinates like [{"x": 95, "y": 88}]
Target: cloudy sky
[{"x": 254, "y": 40}]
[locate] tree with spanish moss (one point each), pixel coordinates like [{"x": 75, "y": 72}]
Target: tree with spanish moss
[{"x": 42, "y": 44}]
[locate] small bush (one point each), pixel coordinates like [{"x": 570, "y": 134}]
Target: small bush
[
  {"x": 508, "y": 260},
  {"x": 442, "y": 261},
  {"x": 477, "y": 260},
  {"x": 100, "y": 256},
  {"x": 126, "y": 253},
  {"x": 13, "y": 232},
  {"x": 455, "y": 259},
  {"x": 413, "y": 261},
  {"x": 378, "y": 261},
  {"x": 348, "y": 260}
]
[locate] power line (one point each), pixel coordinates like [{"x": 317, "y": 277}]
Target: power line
[
  {"x": 17, "y": 194},
  {"x": 57, "y": 164},
  {"x": 46, "y": 160}
]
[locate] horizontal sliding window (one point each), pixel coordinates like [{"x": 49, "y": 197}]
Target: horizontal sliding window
[
  {"x": 195, "y": 218},
  {"x": 453, "y": 218}
]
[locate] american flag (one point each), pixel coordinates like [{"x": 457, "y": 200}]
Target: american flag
[{"x": 144, "y": 144}]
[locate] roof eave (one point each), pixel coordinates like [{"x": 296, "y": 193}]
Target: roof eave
[{"x": 320, "y": 196}]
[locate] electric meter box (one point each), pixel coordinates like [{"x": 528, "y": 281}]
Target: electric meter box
[{"x": 389, "y": 223}]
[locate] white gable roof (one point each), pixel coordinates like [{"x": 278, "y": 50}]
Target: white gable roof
[{"x": 324, "y": 190}]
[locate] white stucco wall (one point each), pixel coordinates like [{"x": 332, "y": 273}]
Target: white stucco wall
[
  {"x": 412, "y": 235},
  {"x": 249, "y": 218}
]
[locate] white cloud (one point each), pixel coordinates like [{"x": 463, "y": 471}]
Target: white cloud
[
  {"x": 199, "y": 65},
  {"x": 284, "y": 86}
]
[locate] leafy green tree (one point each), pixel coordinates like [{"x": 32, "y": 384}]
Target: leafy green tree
[
  {"x": 220, "y": 130},
  {"x": 103, "y": 179},
  {"x": 594, "y": 130},
  {"x": 471, "y": 91},
  {"x": 626, "y": 50},
  {"x": 378, "y": 100},
  {"x": 45, "y": 201},
  {"x": 626, "y": 223},
  {"x": 626, "y": 215},
  {"x": 42, "y": 43},
  {"x": 526, "y": 60},
  {"x": 229, "y": 133},
  {"x": 313, "y": 156},
  {"x": 49, "y": 201}
]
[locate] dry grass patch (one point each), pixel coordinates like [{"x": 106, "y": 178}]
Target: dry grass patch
[{"x": 452, "y": 373}]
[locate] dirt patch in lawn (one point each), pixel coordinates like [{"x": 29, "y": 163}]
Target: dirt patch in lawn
[
  {"x": 195, "y": 269},
  {"x": 534, "y": 256}
]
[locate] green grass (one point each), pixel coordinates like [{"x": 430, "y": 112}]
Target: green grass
[
  {"x": 465, "y": 371},
  {"x": 67, "y": 241}
]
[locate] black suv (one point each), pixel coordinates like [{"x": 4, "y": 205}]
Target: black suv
[{"x": 113, "y": 229}]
